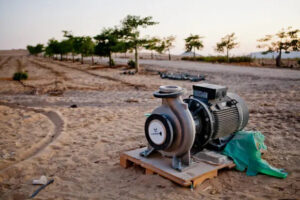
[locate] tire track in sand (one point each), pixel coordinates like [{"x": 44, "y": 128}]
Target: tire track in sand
[
  {"x": 136, "y": 86},
  {"x": 58, "y": 74},
  {"x": 20, "y": 67},
  {"x": 58, "y": 127},
  {"x": 63, "y": 77},
  {"x": 6, "y": 60}
]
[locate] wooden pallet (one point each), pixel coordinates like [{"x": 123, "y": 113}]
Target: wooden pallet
[{"x": 157, "y": 164}]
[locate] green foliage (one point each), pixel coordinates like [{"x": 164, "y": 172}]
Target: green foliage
[
  {"x": 18, "y": 76},
  {"x": 131, "y": 23},
  {"x": 131, "y": 63},
  {"x": 131, "y": 33},
  {"x": 285, "y": 40},
  {"x": 122, "y": 39},
  {"x": 160, "y": 46},
  {"x": 219, "y": 59},
  {"x": 77, "y": 44},
  {"x": 71, "y": 40},
  {"x": 72, "y": 44},
  {"x": 168, "y": 42},
  {"x": 68, "y": 34},
  {"x": 56, "y": 47},
  {"x": 226, "y": 44},
  {"x": 193, "y": 42},
  {"x": 34, "y": 50},
  {"x": 154, "y": 44},
  {"x": 107, "y": 42},
  {"x": 166, "y": 45},
  {"x": 87, "y": 46},
  {"x": 240, "y": 59},
  {"x": 65, "y": 47},
  {"x": 52, "y": 48}
]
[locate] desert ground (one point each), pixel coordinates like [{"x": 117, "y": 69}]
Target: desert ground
[{"x": 42, "y": 132}]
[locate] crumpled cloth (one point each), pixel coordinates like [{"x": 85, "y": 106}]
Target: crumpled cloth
[{"x": 245, "y": 150}]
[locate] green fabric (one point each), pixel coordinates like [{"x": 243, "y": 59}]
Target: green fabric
[
  {"x": 147, "y": 114},
  {"x": 244, "y": 148}
]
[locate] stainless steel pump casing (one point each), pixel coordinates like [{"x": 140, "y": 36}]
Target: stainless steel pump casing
[{"x": 177, "y": 141}]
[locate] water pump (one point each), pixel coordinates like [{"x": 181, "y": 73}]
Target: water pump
[{"x": 179, "y": 128}]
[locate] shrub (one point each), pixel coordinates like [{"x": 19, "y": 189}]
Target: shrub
[
  {"x": 220, "y": 59},
  {"x": 241, "y": 59},
  {"x": 185, "y": 58},
  {"x": 131, "y": 63},
  {"x": 20, "y": 76}
]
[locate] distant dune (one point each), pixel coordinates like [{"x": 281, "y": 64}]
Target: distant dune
[
  {"x": 189, "y": 54},
  {"x": 15, "y": 52}
]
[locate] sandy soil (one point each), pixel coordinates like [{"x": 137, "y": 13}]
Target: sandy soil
[{"x": 80, "y": 147}]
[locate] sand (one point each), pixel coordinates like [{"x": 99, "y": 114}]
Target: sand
[{"x": 79, "y": 147}]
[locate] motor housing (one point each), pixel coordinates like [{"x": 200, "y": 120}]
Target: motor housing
[{"x": 216, "y": 113}]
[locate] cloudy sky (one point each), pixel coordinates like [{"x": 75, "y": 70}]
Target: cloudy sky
[{"x": 24, "y": 22}]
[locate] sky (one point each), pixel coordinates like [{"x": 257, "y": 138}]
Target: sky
[{"x": 28, "y": 22}]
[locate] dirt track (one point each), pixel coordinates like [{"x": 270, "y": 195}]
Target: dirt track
[
  {"x": 109, "y": 118},
  {"x": 222, "y": 68}
]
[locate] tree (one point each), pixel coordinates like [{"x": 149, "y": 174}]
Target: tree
[
  {"x": 131, "y": 34},
  {"x": 227, "y": 43},
  {"x": 71, "y": 39},
  {"x": 153, "y": 44},
  {"x": 77, "y": 44},
  {"x": 52, "y": 48},
  {"x": 34, "y": 50},
  {"x": 108, "y": 42},
  {"x": 287, "y": 40},
  {"x": 167, "y": 44},
  {"x": 65, "y": 46},
  {"x": 87, "y": 48},
  {"x": 193, "y": 42}
]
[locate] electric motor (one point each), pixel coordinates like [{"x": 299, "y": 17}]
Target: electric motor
[{"x": 216, "y": 113}]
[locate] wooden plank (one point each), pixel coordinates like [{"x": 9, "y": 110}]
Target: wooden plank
[
  {"x": 124, "y": 162},
  {"x": 149, "y": 171},
  {"x": 203, "y": 177},
  {"x": 194, "y": 175}
]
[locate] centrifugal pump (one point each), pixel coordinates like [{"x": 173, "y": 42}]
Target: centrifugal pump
[{"x": 180, "y": 127}]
